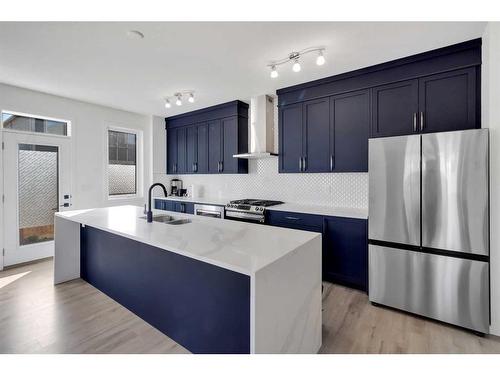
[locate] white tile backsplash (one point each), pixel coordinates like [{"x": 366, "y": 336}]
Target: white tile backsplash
[{"x": 264, "y": 181}]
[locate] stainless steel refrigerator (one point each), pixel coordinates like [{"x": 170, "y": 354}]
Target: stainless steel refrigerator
[{"x": 429, "y": 226}]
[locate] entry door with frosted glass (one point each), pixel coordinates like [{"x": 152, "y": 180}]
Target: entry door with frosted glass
[{"x": 36, "y": 185}]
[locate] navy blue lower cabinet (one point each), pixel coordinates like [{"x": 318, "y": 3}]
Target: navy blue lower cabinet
[
  {"x": 294, "y": 220},
  {"x": 183, "y": 207},
  {"x": 345, "y": 251},
  {"x": 203, "y": 307},
  {"x": 175, "y": 206},
  {"x": 345, "y": 244},
  {"x": 159, "y": 204}
]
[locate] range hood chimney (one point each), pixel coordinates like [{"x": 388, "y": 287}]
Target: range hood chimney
[{"x": 261, "y": 142}]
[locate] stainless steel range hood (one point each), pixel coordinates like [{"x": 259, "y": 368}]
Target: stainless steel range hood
[{"x": 261, "y": 142}]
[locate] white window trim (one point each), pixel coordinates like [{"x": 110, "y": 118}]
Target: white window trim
[
  {"x": 139, "y": 164},
  {"x": 68, "y": 123}
]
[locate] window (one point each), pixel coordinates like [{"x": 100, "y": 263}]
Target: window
[
  {"x": 33, "y": 124},
  {"x": 122, "y": 163}
]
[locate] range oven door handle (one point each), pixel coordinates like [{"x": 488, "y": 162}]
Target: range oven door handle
[{"x": 246, "y": 215}]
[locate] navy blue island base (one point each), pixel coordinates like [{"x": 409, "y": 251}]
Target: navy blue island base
[{"x": 203, "y": 307}]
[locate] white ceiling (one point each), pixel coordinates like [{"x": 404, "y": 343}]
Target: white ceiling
[{"x": 99, "y": 63}]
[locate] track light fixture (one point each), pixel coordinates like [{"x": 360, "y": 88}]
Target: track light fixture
[
  {"x": 178, "y": 97},
  {"x": 294, "y": 58}
]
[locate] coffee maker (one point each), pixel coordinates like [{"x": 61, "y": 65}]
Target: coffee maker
[{"x": 175, "y": 186}]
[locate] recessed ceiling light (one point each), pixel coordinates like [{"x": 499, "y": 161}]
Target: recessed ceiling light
[{"x": 135, "y": 34}]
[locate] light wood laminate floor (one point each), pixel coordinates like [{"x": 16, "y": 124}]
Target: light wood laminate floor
[{"x": 74, "y": 317}]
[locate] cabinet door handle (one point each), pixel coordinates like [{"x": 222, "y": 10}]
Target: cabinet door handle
[
  {"x": 421, "y": 121},
  {"x": 292, "y": 218},
  {"x": 218, "y": 167},
  {"x": 192, "y": 167},
  {"x": 222, "y": 166},
  {"x": 415, "y": 121},
  {"x": 331, "y": 163},
  {"x": 304, "y": 164},
  {"x": 196, "y": 166},
  {"x": 300, "y": 164}
]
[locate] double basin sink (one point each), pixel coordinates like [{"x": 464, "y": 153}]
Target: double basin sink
[{"x": 167, "y": 219}]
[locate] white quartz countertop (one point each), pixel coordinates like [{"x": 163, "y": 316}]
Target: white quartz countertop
[
  {"x": 234, "y": 245},
  {"x": 357, "y": 213}
]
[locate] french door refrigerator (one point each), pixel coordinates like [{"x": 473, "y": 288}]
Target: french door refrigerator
[{"x": 429, "y": 226}]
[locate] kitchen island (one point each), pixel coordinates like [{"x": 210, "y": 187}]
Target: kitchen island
[{"x": 212, "y": 285}]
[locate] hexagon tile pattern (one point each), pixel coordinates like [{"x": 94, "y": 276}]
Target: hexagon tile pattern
[{"x": 264, "y": 181}]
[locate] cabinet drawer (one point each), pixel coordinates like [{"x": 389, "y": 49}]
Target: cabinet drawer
[{"x": 294, "y": 220}]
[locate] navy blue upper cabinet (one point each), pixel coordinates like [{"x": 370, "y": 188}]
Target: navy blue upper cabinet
[
  {"x": 204, "y": 141},
  {"x": 290, "y": 138},
  {"x": 202, "y": 148},
  {"x": 192, "y": 148},
  {"x": 448, "y": 101},
  {"x": 229, "y": 145},
  {"x": 214, "y": 146},
  {"x": 197, "y": 148},
  {"x": 181, "y": 150},
  {"x": 326, "y": 135},
  {"x": 317, "y": 152},
  {"x": 350, "y": 118},
  {"x": 395, "y": 109}
]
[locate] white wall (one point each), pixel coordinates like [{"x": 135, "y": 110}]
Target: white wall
[
  {"x": 159, "y": 145},
  {"x": 88, "y": 139},
  {"x": 491, "y": 119}
]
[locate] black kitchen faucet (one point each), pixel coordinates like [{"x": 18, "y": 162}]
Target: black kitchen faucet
[{"x": 149, "y": 214}]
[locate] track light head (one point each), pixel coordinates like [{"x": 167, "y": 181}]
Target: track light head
[
  {"x": 179, "y": 99},
  {"x": 274, "y": 72},
  {"x": 167, "y": 103},
  {"x": 320, "y": 60},
  {"x": 191, "y": 98},
  {"x": 296, "y": 65}
]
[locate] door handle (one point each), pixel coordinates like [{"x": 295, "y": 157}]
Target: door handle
[
  {"x": 414, "y": 121},
  {"x": 292, "y": 218},
  {"x": 196, "y": 166},
  {"x": 300, "y": 164},
  {"x": 331, "y": 163},
  {"x": 304, "y": 164},
  {"x": 421, "y": 121},
  {"x": 192, "y": 167},
  {"x": 222, "y": 166},
  {"x": 64, "y": 205},
  {"x": 218, "y": 166}
]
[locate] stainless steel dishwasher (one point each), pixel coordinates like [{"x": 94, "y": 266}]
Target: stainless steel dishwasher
[{"x": 209, "y": 210}]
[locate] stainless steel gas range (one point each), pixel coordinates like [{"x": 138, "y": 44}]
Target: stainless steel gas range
[{"x": 251, "y": 210}]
